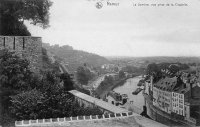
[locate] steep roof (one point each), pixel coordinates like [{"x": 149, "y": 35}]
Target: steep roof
[{"x": 167, "y": 84}]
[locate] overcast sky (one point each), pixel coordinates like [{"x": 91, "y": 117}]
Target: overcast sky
[{"x": 125, "y": 30}]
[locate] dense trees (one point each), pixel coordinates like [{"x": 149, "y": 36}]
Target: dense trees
[
  {"x": 37, "y": 105},
  {"x": 121, "y": 74},
  {"x": 14, "y": 77},
  {"x": 26, "y": 104},
  {"x": 14, "y": 12},
  {"x": 105, "y": 84},
  {"x": 83, "y": 75},
  {"x": 67, "y": 80},
  {"x": 14, "y": 74},
  {"x": 11, "y": 66},
  {"x": 26, "y": 95},
  {"x": 152, "y": 69}
]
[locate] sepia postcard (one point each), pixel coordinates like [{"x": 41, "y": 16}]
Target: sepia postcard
[{"x": 100, "y": 63}]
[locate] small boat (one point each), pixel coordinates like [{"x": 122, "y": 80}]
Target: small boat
[{"x": 138, "y": 90}]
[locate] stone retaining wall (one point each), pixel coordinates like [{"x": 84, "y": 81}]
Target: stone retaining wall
[{"x": 25, "y": 46}]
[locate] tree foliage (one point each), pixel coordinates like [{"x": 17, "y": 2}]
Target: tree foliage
[
  {"x": 121, "y": 74},
  {"x": 67, "y": 80},
  {"x": 108, "y": 81},
  {"x": 152, "y": 69},
  {"x": 26, "y": 104},
  {"x": 83, "y": 75},
  {"x": 14, "y": 12},
  {"x": 36, "y": 96},
  {"x": 14, "y": 71},
  {"x": 35, "y": 104},
  {"x": 14, "y": 77}
]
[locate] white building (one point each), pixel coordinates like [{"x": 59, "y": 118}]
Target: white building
[
  {"x": 162, "y": 98},
  {"x": 178, "y": 103}
]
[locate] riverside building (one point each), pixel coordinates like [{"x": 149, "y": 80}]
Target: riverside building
[{"x": 174, "y": 97}]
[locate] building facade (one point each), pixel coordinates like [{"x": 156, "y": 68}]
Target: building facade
[
  {"x": 162, "y": 100},
  {"x": 178, "y": 103},
  {"x": 175, "y": 97}
]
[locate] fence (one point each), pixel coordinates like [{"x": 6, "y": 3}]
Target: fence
[{"x": 72, "y": 119}]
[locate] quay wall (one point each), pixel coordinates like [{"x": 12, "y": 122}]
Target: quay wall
[{"x": 162, "y": 117}]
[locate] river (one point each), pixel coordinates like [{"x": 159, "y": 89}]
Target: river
[{"x": 135, "y": 102}]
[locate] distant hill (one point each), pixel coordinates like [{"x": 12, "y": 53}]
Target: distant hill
[
  {"x": 159, "y": 59},
  {"x": 144, "y": 61},
  {"x": 75, "y": 58}
]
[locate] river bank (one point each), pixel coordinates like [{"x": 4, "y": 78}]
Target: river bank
[
  {"x": 134, "y": 103},
  {"x": 101, "y": 91}
]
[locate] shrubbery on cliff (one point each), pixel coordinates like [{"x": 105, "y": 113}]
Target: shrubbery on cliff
[{"x": 26, "y": 95}]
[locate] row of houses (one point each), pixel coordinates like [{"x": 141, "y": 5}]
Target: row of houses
[
  {"x": 178, "y": 96},
  {"x": 111, "y": 67}
]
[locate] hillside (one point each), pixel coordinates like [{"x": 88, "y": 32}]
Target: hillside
[
  {"x": 159, "y": 59},
  {"x": 75, "y": 58},
  {"x": 144, "y": 61}
]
